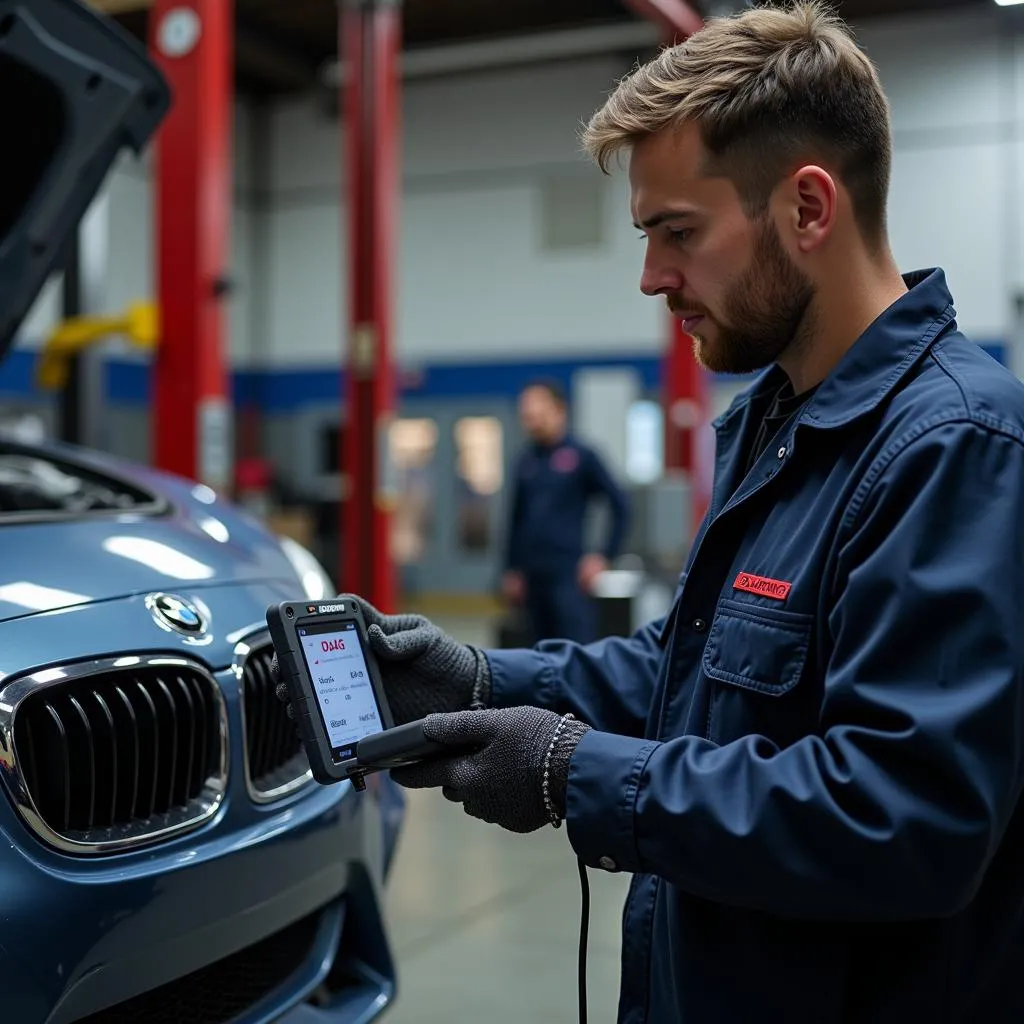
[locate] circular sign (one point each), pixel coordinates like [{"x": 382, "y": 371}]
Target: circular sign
[{"x": 179, "y": 32}]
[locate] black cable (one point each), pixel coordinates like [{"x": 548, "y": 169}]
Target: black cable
[{"x": 584, "y": 933}]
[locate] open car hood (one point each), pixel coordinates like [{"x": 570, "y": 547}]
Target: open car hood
[{"x": 76, "y": 90}]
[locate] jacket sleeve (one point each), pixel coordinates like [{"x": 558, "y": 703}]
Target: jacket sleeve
[
  {"x": 602, "y": 484},
  {"x": 894, "y": 809},
  {"x": 609, "y": 684}
]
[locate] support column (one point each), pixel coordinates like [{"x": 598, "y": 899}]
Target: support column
[
  {"x": 687, "y": 409},
  {"x": 192, "y": 44},
  {"x": 70, "y": 399},
  {"x": 370, "y": 50},
  {"x": 81, "y": 402},
  {"x": 685, "y": 398}
]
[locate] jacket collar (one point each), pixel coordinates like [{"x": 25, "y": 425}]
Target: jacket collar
[
  {"x": 877, "y": 361},
  {"x": 544, "y": 448}
]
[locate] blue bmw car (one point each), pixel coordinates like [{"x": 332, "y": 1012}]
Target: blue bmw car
[{"x": 164, "y": 853}]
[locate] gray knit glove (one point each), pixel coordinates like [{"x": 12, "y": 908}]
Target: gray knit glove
[
  {"x": 423, "y": 669},
  {"x": 502, "y": 781}
]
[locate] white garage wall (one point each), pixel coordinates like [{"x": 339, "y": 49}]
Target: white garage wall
[
  {"x": 474, "y": 282},
  {"x": 951, "y": 83},
  {"x": 473, "y": 278}
]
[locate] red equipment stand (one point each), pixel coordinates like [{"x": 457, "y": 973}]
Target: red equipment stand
[
  {"x": 192, "y": 44},
  {"x": 371, "y": 46}
]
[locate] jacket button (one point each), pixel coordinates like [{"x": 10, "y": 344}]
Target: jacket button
[
  {"x": 699, "y": 626},
  {"x": 608, "y": 864},
  {"x": 782, "y": 453}
]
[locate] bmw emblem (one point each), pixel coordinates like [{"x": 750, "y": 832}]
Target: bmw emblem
[{"x": 176, "y": 614}]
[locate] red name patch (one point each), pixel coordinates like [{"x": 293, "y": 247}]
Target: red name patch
[{"x": 778, "y": 590}]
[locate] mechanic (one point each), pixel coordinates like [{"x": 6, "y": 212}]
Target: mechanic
[
  {"x": 813, "y": 766},
  {"x": 556, "y": 480}
]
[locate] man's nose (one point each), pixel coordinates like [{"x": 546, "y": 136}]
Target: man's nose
[{"x": 660, "y": 279}]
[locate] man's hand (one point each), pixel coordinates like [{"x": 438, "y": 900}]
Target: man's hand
[
  {"x": 513, "y": 587},
  {"x": 502, "y": 780},
  {"x": 423, "y": 669},
  {"x": 590, "y": 567}
]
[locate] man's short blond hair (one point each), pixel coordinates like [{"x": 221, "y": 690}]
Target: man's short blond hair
[{"x": 768, "y": 88}]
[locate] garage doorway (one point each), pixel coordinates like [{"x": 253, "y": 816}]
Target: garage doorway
[{"x": 451, "y": 463}]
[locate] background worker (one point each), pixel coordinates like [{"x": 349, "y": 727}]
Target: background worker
[{"x": 557, "y": 479}]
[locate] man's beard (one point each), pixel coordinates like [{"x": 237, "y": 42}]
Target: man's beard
[{"x": 767, "y": 307}]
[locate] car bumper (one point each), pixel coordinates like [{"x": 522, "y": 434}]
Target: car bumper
[{"x": 291, "y": 895}]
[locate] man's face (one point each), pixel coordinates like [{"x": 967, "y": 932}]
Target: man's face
[
  {"x": 728, "y": 278},
  {"x": 541, "y": 415}
]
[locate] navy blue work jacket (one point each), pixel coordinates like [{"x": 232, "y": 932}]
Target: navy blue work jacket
[
  {"x": 553, "y": 487},
  {"x": 813, "y": 765}
]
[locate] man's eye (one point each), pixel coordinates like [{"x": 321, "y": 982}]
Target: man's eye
[{"x": 677, "y": 235}]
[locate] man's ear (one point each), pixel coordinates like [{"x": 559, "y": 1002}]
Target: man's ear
[{"x": 812, "y": 205}]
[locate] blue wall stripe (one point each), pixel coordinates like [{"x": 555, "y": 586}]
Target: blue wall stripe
[
  {"x": 281, "y": 390},
  {"x": 17, "y": 374},
  {"x": 128, "y": 383}
]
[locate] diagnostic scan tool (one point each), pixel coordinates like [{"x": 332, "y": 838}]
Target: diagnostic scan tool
[{"x": 335, "y": 688}]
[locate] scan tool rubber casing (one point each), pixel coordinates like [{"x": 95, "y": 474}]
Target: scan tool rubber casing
[{"x": 285, "y": 620}]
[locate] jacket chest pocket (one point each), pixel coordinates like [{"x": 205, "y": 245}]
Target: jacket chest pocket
[{"x": 755, "y": 658}]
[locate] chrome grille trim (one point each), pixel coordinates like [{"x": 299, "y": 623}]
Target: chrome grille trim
[
  {"x": 141, "y": 831},
  {"x": 294, "y": 774}
]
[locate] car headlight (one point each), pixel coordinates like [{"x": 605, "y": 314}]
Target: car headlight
[{"x": 315, "y": 581}]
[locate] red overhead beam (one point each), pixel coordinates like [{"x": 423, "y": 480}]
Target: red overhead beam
[{"x": 676, "y": 18}]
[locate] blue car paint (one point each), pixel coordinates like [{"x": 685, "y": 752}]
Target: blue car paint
[
  {"x": 193, "y": 543},
  {"x": 78, "y": 934}
]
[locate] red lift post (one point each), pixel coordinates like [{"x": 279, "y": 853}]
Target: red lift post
[
  {"x": 685, "y": 399},
  {"x": 192, "y": 44},
  {"x": 371, "y": 48}
]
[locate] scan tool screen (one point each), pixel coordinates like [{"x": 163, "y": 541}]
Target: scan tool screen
[{"x": 341, "y": 681}]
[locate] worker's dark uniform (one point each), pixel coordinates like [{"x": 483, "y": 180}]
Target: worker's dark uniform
[
  {"x": 553, "y": 487},
  {"x": 813, "y": 766}
]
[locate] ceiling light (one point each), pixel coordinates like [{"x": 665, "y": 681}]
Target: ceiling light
[{"x": 1008, "y": 3}]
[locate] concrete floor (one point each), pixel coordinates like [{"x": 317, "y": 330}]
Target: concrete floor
[{"x": 485, "y": 923}]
